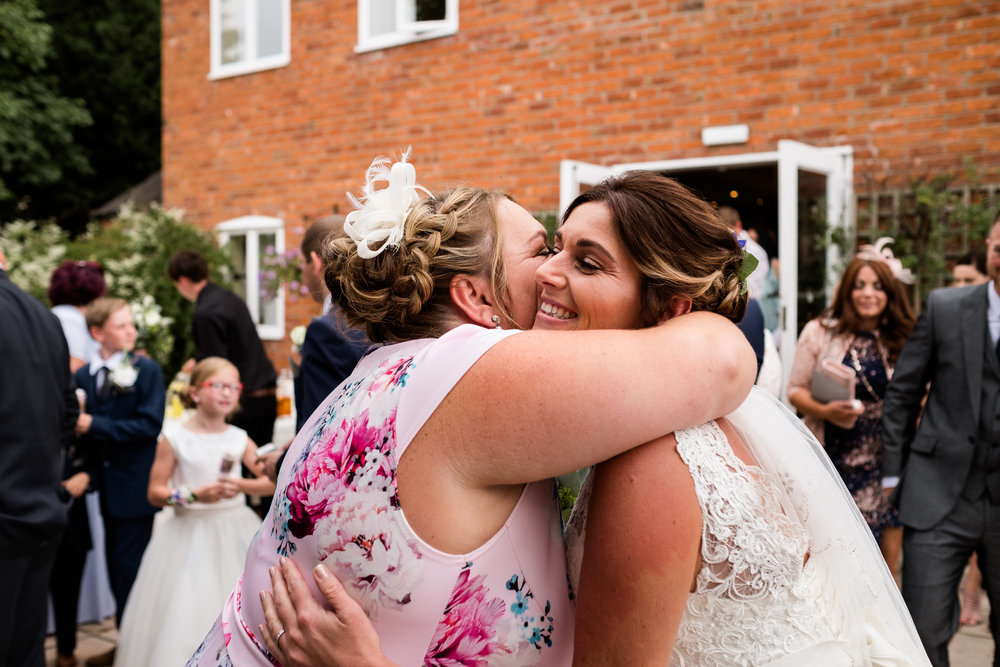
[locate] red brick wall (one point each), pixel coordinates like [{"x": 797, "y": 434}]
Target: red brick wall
[{"x": 913, "y": 86}]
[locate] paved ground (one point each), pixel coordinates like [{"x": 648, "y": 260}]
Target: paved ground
[{"x": 972, "y": 647}]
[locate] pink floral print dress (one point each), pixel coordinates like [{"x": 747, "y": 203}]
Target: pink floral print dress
[{"x": 506, "y": 603}]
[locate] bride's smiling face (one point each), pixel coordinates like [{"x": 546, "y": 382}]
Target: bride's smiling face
[{"x": 591, "y": 281}]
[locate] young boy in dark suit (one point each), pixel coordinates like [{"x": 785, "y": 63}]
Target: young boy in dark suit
[{"x": 122, "y": 421}]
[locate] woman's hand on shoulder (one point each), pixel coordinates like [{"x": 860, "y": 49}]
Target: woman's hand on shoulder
[{"x": 300, "y": 632}]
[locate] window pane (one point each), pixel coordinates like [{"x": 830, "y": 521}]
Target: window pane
[
  {"x": 382, "y": 16},
  {"x": 430, "y": 10},
  {"x": 269, "y": 28},
  {"x": 267, "y": 308},
  {"x": 232, "y": 20},
  {"x": 238, "y": 253}
]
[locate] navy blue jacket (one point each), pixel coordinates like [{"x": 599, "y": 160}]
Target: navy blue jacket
[
  {"x": 123, "y": 435},
  {"x": 330, "y": 352}
]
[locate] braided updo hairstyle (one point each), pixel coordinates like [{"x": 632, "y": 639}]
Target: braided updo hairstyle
[
  {"x": 677, "y": 240},
  {"x": 403, "y": 293}
]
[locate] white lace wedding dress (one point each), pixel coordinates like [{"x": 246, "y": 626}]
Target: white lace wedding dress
[{"x": 791, "y": 574}]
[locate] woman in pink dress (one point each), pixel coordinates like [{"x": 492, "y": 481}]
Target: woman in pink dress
[{"x": 424, "y": 482}]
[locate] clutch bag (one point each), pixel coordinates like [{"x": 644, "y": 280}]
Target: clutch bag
[{"x": 833, "y": 381}]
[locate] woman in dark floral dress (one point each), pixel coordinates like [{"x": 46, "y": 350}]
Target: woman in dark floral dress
[
  {"x": 864, "y": 329},
  {"x": 857, "y": 452}
]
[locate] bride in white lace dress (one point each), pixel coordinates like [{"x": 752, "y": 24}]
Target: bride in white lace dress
[{"x": 732, "y": 543}]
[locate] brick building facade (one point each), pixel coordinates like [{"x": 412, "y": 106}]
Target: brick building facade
[{"x": 912, "y": 86}]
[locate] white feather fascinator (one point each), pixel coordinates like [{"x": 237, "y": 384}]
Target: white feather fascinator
[
  {"x": 377, "y": 223},
  {"x": 880, "y": 252}
]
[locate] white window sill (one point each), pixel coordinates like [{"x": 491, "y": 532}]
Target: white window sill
[
  {"x": 390, "y": 40},
  {"x": 241, "y": 68}
]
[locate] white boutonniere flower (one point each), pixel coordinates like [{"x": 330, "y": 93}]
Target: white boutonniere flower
[
  {"x": 124, "y": 375},
  {"x": 297, "y": 336}
]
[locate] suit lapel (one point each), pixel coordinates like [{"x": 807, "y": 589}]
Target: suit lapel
[{"x": 973, "y": 316}]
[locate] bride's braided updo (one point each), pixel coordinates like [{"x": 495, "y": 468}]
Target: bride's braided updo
[
  {"x": 677, "y": 240},
  {"x": 403, "y": 293}
]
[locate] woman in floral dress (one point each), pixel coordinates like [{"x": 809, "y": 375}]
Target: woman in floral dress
[
  {"x": 425, "y": 480},
  {"x": 864, "y": 329}
]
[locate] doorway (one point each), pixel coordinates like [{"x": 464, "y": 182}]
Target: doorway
[{"x": 797, "y": 198}]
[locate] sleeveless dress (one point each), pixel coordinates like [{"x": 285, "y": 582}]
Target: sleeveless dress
[
  {"x": 505, "y": 603},
  {"x": 790, "y": 573},
  {"x": 193, "y": 559}
]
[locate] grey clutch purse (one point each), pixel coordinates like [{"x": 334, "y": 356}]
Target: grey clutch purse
[{"x": 832, "y": 381}]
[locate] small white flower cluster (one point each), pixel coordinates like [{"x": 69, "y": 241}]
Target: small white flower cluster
[
  {"x": 298, "y": 336},
  {"x": 148, "y": 314},
  {"x": 152, "y": 327}
]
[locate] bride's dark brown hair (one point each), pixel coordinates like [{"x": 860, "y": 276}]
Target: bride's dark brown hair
[{"x": 677, "y": 240}]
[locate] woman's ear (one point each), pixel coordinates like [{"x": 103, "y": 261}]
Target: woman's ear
[
  {"x": 675, "y": 308},
  {"x": 474, "y": 298}
]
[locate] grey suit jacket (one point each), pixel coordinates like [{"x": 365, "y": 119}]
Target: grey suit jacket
[{"x": 933, "y": 460}]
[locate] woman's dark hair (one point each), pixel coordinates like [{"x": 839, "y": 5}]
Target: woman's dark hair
[
  {"x": 677, "y": 240},
  {"x": 76, "y": 283},
  {"x": 896, "y": 321}
]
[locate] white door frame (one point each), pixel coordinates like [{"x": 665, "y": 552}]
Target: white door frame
[{"x": 836, "y": 163}]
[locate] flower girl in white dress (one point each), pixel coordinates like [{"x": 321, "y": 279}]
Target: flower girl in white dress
[{"x": 197, "y": 551}]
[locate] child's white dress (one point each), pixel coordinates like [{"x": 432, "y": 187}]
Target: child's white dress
[{"x": 194, "y": 558}]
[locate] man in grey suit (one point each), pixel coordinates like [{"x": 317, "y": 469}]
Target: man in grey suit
[{"x": 946, "y": 471}]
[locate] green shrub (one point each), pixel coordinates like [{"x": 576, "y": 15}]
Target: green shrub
[{"x": 134, "y": 249}]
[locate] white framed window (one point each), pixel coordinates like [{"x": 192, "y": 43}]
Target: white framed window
[
  {"x": 248, "y": 240},
  {"x": 385, "y": 23},
  {"x": 249, "y": 36}
]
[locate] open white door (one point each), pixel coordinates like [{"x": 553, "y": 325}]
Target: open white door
[
  {"x": 807, "y": 177},
  {"x": 573, "y": 174}
]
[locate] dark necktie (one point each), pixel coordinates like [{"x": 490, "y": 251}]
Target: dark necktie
[{"x": 103, "y": 384}]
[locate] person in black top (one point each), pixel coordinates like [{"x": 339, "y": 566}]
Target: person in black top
[
  {"x": 222, "y": 327},
  {"x": 38, "y": 410}
]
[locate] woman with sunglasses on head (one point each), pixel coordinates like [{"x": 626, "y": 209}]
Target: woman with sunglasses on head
[
  {"x": 197, "y": 551},
  {"x": 730, "y": 543},
  {"x": 425, "y": 480}
]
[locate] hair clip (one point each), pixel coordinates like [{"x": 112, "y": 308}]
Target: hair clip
[{"x": 381, "y": 214}]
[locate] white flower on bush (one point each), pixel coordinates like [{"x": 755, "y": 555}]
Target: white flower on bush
[
  {"x": 148, "y": 316},
  {"x": 298, "y": 336}
]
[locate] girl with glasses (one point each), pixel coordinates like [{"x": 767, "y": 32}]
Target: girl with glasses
[{"x": 197, "y": 550}]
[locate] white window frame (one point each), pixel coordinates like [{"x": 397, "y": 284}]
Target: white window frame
[
  {"x": 251, "y": 227},
  {"x": 407, "y": 28},
  {"x": 220, "y": 70}
]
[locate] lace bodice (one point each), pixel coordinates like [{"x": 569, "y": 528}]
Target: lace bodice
[
  {"x": 755, "y": 599},
  {"x": 790, "y": 574}
]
